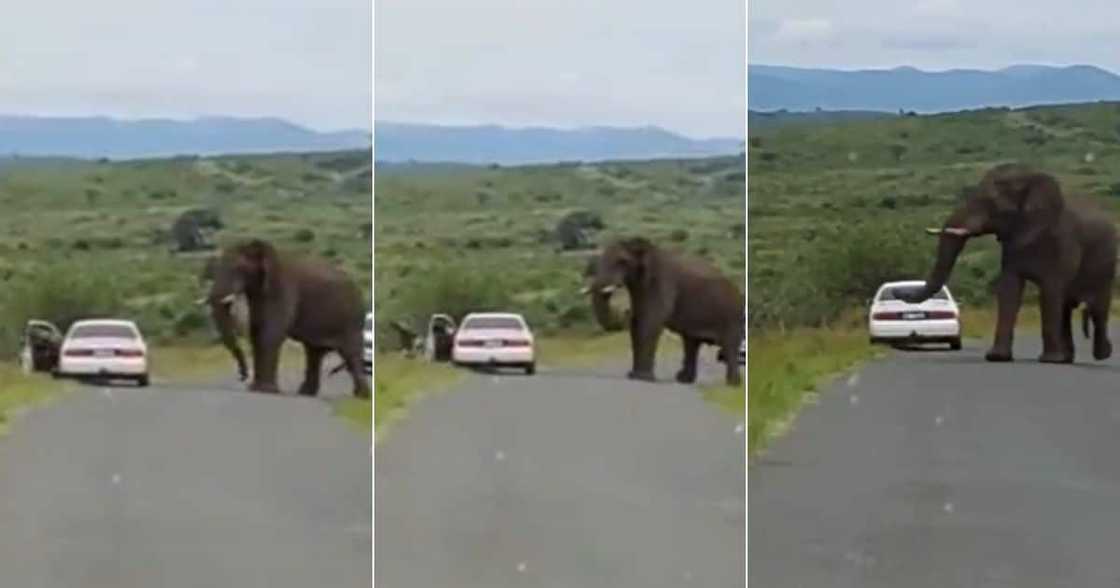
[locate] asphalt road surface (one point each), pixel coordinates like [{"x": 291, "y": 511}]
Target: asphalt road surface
[
  {"x": 563, "y": 479},
  {"x": 939, "y": 469},
  {"x": 122, "y": 487}
]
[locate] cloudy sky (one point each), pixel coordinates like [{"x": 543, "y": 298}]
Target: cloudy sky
[
  {"x": 305, "y": 60},
  {"x": 563, "y": 63},
  {"x": 934, "y": 34}
]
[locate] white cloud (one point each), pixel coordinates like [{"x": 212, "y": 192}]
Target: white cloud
[{"x": 803, "y": 30}]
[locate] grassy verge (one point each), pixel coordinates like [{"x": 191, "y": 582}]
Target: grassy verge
[
  {"x": 398, "y": 381},
  {"x": 785, "y": 368},
  {"x": 18, "y": 390}
]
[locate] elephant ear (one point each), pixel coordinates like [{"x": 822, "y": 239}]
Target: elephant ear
[
  {"x": 1040, "y": 203},
  {"x": 264, "y": 259}
]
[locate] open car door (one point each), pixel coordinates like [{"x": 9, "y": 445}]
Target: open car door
[
  {"x": 41, "y": 344},
  {"x": 439, "y": 338}
]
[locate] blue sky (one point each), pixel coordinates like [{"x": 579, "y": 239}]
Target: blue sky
[
  {"x": 563, "y": 63},
  {"x": 934, "y": 34},
  {"x": 305, "y": 60}
]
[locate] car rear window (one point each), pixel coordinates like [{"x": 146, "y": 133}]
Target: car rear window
[
  {"x": 105, "y": 331},
  {"x": 893, "y": 292},
  {"x": 492, "y": 322}
]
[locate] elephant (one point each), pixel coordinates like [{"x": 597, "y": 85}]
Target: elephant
[
  {"x": 1063, "y": 244},
  {"x": 307, "y": 300},
  {"x": 688, "y": 296}
]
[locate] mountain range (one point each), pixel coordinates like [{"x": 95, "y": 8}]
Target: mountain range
[
  {"x": 97, "y": 137},
  {"x": 906, "y": 88},
  {"x": 485, "y": 144}
]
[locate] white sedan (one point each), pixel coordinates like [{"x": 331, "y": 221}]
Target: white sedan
[
  {"x": 494, "y": 339},
  {"x": 104, "y": 348},
  {"x": 894, "y": 321}
]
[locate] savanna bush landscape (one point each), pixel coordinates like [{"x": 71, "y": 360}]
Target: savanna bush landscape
[
  {"x": 81, "y": 238},
  {"x": 836, "y": 207},
  {"x": 457, "y": 238}
]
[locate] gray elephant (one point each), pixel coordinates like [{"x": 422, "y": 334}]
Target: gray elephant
[
  {"x": 688, "y": 296},
  {"x": 307, "y": 300}
]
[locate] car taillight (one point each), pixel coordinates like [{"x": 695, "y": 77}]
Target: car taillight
[
  {"x": 516, "y": 342},
  {"x": 78, "y": 353},
  {"x": 941, "y": 314},
  {"x": 130, "y": 353},
  {"x": 887, "y": 316}
]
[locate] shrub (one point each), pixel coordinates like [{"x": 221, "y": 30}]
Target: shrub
[
  {"x": 304, "y": 236},
  {"x": 62, "y": 294},
  {"x": 454, "y": 290}
]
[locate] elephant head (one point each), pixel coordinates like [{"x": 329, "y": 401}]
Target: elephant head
[
  {"x": 1014, "y": 202},
  {"x": 623, "y": 263},
  {"x": 245, "y": 270}
]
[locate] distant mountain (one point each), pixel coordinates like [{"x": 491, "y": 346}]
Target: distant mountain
[
  {"x": 907, "y": 88},
  {"x": 395, "y": 142},
  {"x": 95, "y": 137},
  {"x": 758, "y": 121}
]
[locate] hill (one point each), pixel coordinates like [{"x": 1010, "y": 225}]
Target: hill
[
  {"x": 396, "y": 142},
  {"x": 910, "y": 89},
  {"x": 102, "y": 137}
]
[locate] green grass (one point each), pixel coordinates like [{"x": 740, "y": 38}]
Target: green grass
[
  {"x": 358, "y": 411},
  {"x": 18, "y": 391},
  {"x": 399, "y": 381}
]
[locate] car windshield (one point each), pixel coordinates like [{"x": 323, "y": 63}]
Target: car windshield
[
  {"x": 894, "y": 292},
  {"x": 492, "y": 322},
  {"x": 103, "y": 330}
]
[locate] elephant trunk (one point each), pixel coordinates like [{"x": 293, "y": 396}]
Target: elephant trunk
[
  {"x": 948, "y": 249},
  {"x": 601, "y": 304},
  {"x": 227, "y": 329}
]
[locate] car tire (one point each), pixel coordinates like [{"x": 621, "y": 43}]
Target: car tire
[
  {"x": 142, "y": 381},
  {"x": 955, "y": 344},
  {"x": 530, "y": 369}
]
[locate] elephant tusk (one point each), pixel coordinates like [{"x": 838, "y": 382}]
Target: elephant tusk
[
  {"x": 958, "y": 231},
  {"x": 933, "y": 230},
  {"x": 229, "y": 299},
  {"x": 608, "y": 289},
  {"x": 585, "y": 290},
  {"x": 201, "y": 301}
]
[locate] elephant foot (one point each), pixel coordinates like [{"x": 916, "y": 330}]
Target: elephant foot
[
  {"x": 686, "y": 377},
  {"x": 645, "y": 376},
  {"x": 1102, "y": 350},
  {"x": 999, "y": 356},
  {"x": 263, "y": 387},
  {"x": 361, "y": 392},
  {"x": 734, "y": 380},
  {"x": 308, "y": 390},
  {"x": 1055, "y": 357}
]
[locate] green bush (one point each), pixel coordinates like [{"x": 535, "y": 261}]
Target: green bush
[{"x": 61, "y": 294}]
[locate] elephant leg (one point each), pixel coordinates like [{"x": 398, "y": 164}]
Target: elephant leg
[
  {"x": 1009, "y": 296},
  {"x": 352, "y": 359},
  {"x": 266, "y": 361},
  {"x": 1098, "y": 310},
  {"x": 1053, "y": 304},
  {"x": 687, "y": 374},
  {"x": 1067, "y": 327},
  {"x": 314, "y": 356},
  {"x": 645, "y": 336},
  {"x": 731, "y": 352}
]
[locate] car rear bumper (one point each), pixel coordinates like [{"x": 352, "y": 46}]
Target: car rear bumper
[
  {"x": 500, "y": 356},
  {"x": 102, "y": 367},
  {"x": 937, "y": 330}
]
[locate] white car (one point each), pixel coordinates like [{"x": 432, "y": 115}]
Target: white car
[
  {"x": 494, "y": 339},
  {"x": 367, "y": 344},
  {"x": 896, "y": 322},
  {"x": 104, "y": 348}
]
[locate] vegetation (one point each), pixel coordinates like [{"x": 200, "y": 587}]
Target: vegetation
[
  {"x": 443, "y": 248},
  {"x": 84, "y": 238},
  {"x": 836, "y": 209},
  {"x": 18, "y": 390}
]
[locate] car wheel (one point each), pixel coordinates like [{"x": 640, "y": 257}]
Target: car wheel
[
  {"x": 530, "y": 369},
  {"x": 955, "y": 344},
  {"x": 142, "y": 381}
]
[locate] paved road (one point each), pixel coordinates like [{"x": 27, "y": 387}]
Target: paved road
[
  {"x": 563, "y": 479},
  {"x": 939, "y": 469},
  {"x": 173, "y": 487}
]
